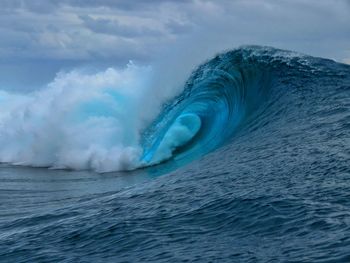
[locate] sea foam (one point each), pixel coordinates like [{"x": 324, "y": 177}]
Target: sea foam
[{"x": 79, "y": 121}]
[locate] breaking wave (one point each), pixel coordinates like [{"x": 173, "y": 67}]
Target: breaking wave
[{"x": 122, "y": 120}]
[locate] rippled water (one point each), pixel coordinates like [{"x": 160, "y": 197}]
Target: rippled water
[{"x": 277, "y": 190}]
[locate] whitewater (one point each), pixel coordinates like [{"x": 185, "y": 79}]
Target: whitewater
[{"x": 245, "y": 158}]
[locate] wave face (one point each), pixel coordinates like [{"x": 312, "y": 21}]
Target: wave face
[
  {"x": 217, "y": 98},
  {"x": 96, "y": 121}
]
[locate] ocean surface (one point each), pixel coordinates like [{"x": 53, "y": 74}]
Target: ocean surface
[{"x": 248, "y": 162}]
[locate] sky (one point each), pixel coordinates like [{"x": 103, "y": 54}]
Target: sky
[{"x": 42, "y": 37}]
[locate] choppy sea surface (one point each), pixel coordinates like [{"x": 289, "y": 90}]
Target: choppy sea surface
[{"x": 250, "y": 163}]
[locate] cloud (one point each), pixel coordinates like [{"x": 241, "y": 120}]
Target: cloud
[
  {"x": 114, "y": 31},
  {"x": 83, "y": 30},
  {"x": 44, "y": 6},
  {"x": 178, "y": 28},
  {"x": 114, "y": 27}
]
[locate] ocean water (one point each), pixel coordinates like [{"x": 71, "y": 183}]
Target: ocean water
[{"x": 248, "y": 162}]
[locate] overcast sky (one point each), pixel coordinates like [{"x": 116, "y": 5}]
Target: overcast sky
[{"x": 41, "y": 37}]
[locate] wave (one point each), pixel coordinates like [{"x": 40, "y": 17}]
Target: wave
[
  {"x": 119, "y": 120},
  {"x": 220, "y": 96}
]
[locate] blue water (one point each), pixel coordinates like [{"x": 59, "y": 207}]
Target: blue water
[{"x": 250, "y": 163}]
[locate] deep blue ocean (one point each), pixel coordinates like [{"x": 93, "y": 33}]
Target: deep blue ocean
[{"x": 249, "y": 163}]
